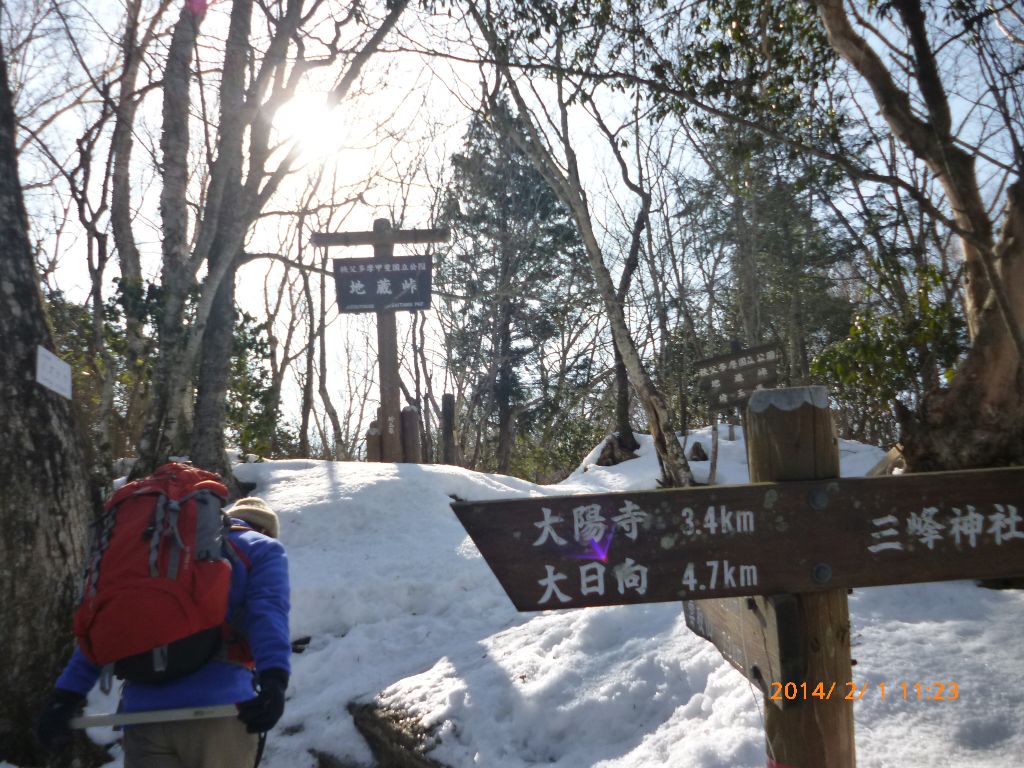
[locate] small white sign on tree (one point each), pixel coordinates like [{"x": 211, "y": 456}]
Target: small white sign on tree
[{"x": 52, "y": 372}]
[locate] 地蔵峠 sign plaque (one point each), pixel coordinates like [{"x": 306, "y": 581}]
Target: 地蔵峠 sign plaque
[
  {"x": 383, "y": 284},
  {"x": 763, "y": 538}
]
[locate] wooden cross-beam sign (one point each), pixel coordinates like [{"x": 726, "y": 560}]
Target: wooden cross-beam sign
[
  {"x": 382, "y": 236},
  {"x": 787, "y": 545},
  {"x": 762, "y": 538},
  {"x": 383, "y": 285}
]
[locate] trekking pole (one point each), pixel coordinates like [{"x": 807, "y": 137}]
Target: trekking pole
[{"x": 154, "y": 716}]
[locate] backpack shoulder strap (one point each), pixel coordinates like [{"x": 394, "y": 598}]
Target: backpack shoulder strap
[{"x": 234, "y": 552}]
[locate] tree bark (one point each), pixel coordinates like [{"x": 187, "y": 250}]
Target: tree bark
[
  {"x": 131, "y": 286},
  {"x": 307, "y": 384},
  {"x": 47, "y": 503},
  {"x": 503, "y": 381},
  {"x": 325, "y": 395},
  {"x": 208, "y": 448},
  {"x": 745, "y": 267},
  {"x": 624, "y": 435},
  {"x": 448, "y": 429},
  {"x": 172, "y": 373}
]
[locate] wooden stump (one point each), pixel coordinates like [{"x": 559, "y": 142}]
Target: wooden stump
[
  {"x": 411, "y": 450},
  {"x": 697, "y": 453},
  {"x": 448, "y": 429},
  {"x": 790, "y": 436},
  {"x": 389, "y": 415},
  {"x": 373, "y": 442}
]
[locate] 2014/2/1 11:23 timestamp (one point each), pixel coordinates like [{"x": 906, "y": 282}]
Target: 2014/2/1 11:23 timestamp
[{"x": 904, "y": 691}]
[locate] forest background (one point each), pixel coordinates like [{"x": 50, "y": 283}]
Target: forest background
[{"x": 631, "y": 187}]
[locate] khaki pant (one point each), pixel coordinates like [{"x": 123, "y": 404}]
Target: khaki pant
[{"x": 215, "y": 743}]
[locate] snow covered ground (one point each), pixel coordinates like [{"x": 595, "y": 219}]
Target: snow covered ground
[{"x": 399, "y": 604}]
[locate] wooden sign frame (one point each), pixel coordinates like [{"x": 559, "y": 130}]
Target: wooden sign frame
[
  {"x": 383, "y": 285},
  {"x": 412, "y": 295}
]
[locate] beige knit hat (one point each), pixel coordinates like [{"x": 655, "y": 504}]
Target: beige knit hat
[{"x": 256, "y": 512}]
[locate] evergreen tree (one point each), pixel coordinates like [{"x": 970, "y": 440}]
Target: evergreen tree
[
  {"x": 784, "y": 251},
  {"x": 252, "y": 406},
  {"x": 516, "y": 267}
]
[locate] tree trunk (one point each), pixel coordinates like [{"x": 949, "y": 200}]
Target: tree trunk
[
  {"x": 745, "y": 269},
  {"x": 623, "y": 395},
  {"x": 503, "y": 385},
  {"x": 448, "y": 429},
  {"x": 979, "y": 420},
  {"x": 325, "y": 395},
  {"x": 131, "y": 286},
  {"x": 307, "y": 384},
  {"x": 799, "y": 368},
  {"x": 162, "y": 431},
  {"x": 46, "y": 503},
  {"x": 208, "y": 448}
]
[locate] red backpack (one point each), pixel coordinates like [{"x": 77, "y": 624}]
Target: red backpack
[{"x": 155, "y": 591}]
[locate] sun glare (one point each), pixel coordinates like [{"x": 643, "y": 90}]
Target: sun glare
[{"x": 307, "y": 119}]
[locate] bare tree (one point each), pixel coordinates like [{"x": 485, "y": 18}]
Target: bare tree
[{"x": 242, "y": 179}]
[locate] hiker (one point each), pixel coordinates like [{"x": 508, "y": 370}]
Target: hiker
[{"x": 250, "y": 669}]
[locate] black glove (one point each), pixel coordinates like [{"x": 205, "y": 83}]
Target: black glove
[
  {"x": 263, "y": 712},
  {"x": 54, "y": 727}
]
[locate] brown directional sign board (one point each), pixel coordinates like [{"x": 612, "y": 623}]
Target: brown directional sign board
[
  {"x": 383, "y": 284},
  {"x": 730, "y": 379},
  {"x": 757, "y": 539}
]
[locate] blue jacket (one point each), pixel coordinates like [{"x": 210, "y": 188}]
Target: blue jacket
[{"x": 258, "y": 606}]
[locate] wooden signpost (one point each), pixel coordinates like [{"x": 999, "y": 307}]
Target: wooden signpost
[
  {"x": 789, "y": 549},
  {"x": 763, "y": 538},
  {"x": 384, "y": 284},
  {"x": 729, "y": 380}
]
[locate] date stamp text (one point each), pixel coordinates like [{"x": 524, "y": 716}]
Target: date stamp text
[{"x": 936, "y": 690}]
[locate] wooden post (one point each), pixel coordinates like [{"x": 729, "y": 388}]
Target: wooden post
[
  {"x": 373, "y": 442},
  {"x": 412, "y": 452},
  {"x": 448, "y": 429},
  {"x": 713, "y": 468},
  {"x": 383, "y": 239},
  {"x": 387, "y": 361},
  {"x": 790, "y": 437}
]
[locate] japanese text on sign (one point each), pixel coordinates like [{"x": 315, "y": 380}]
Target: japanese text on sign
[
  {"x": 594, "y": 529},
  {"x": 730, "y": 380},
  {"x": 369, "y": 285},
  {"x": 964, "y": 527},
  {"x": 751, "y": 359},
  {"x": 757, "y": 539}
]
